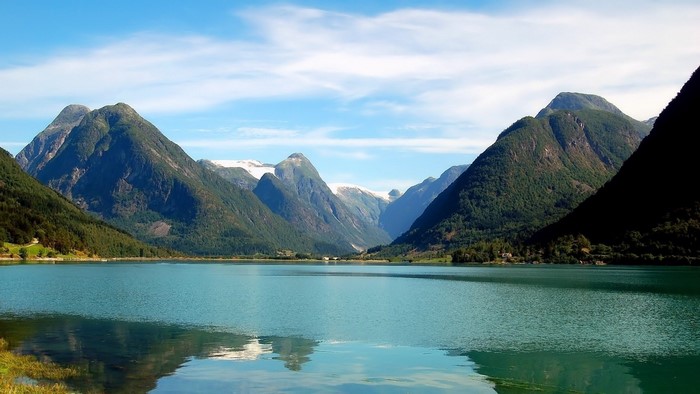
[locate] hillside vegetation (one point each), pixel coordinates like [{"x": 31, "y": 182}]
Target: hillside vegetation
[
  {"x": 650, "y": 210},
  {"x": 30, "y": 210},
  {"x": 536, "y": 172}
]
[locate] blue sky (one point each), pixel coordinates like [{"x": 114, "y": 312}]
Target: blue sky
[{"x": 379, "y": 94}]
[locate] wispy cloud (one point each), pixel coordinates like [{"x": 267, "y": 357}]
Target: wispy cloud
[
  {"x": 484, "y": 70},
  {"x": 465, "y": 145},
  {"x": 263, "y": 132}
]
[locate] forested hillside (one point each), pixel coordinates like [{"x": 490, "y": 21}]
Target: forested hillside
[
  {"x": 536, "y": 172},
  {"x": 650, "y": 210},
  {"x": 30, "y": 210}
]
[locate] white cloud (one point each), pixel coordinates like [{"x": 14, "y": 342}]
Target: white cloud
[
  {"x": 483, "y": 70},
  {"x": 465, "y": 145},
  {"x": 263, "y": 132}
]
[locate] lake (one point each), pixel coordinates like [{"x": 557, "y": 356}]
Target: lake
[{"x": 224, "y": 327}]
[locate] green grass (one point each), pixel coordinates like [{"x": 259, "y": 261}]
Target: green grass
[
  {"x": 34, "y": 252},
  {"x": 26, "y": 374}
]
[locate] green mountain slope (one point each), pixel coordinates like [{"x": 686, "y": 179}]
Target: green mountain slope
[
  {"x": 579, "y": 101},
  {"x": 119, "y": 166},
  {"x": 536, "y": 172},
  {"x": 29, "y": 210},
  {"x": 652, "y": 206}
]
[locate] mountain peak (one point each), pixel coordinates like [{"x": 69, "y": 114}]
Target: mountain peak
[
  {"x": 577, "y": 101},
  {"x": 72, "y": 113},
  {"x": 121, "y": 109},
  {"x": 298, "y": 157},
  {"x": 294, "y": 166},
  {"x": 45, "y": 145}
]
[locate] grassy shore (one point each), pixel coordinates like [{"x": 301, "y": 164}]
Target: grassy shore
[{"x": 25, "y": 374}]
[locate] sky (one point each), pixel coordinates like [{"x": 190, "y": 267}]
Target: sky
[{"x": 378, "y": 94}]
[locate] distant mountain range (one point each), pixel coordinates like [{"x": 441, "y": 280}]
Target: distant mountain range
[
  {"x": 398, "y": 216},
  {"x": 294, "y": 190},
  {"x": 30, "y": 210},
  {"x": 536, "y": 172},
  {"x": 367, "y": 204},
  {"x": 651, "y": 207},
  {"x": 392, "y": 212},
  {"x": 120, "y": 167},
  {"x": 537, "y": 182}
]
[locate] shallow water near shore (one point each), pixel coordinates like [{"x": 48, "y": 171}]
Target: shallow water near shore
[{"x": 213, "y": 327}]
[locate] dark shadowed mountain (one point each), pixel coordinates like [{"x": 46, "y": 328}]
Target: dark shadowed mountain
[
  {"x": 30, "y": 210},
  {"x": 400, "y": 214},
  {"x": 122, "y": 168},
  {"x": 652, "y": 205},
  {"x": 536, "y": 172},
  {"x": 45, "y": 145}
]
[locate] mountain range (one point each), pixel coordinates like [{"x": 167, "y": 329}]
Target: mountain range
[
  {"x": 536, "y": 172},
  {"x": 367, "y": 204},
  {"x": 392, "y": 212},
  {"x": 651, "y": 207},
  {"x": 398, "y": 216},
  {"x": 539, "y": 181},
  {"x": 294, "y": 190},
  {"x": 120, "y": 167}
]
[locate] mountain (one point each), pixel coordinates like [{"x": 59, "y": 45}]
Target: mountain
[
  {"x": 301, "y": 177},
  {"x": 236, "y": 175},
  {"x": 651, "y": 206},
  {"x": 400, "y": 214},
  {"x": 45, "y": 145},
  {"x": 294, "y": 190},
  {"x": 119, "y": 166},
  {"x": 536, "y": 172},
  {"x": 569, "y": 101},
  {"x": 30, "y": 210},
  {"x": 284, "y": 202},
  {"x": 364, "y": 203}
]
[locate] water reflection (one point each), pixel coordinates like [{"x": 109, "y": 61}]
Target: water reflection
[
  {"x": 136, "y": 357},
  {"x": 128, "y": 357}
]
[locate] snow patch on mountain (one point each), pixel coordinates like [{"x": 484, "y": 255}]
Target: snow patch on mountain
[
  {"x": 254, "y": 167},
  {"x": 337, "y": 188}
]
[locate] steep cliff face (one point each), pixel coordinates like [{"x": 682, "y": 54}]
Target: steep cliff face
[{"x": 45, "y": 145}]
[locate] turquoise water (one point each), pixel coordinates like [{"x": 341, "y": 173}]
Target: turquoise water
[{"x": 203, "y": 327}]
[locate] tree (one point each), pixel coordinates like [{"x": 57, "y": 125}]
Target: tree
[{"x": 23, "y": 253}]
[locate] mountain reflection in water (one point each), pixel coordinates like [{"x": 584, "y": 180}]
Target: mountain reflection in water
[
  {"x": 136, "y": 357},
  {"x": 131, "y": 356},
  {"x": 186, "y": 327}
]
